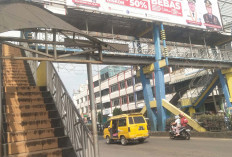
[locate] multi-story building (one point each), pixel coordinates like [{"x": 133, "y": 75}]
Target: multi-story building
[{"x": 118, "y": 87}]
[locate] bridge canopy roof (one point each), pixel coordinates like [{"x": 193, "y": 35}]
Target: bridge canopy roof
[
  {"x": 19, "y": 16},
  {"x": 99, "y": 22}
]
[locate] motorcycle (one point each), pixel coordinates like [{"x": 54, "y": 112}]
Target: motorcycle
[{"x": 184, "y": 133}]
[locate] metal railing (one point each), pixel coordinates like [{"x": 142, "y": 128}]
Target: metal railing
[
  {"x": 80, "y": 136},
  {"x": 33, "y": 64},
  {"x": 203, "y": 83},
  {"x": 1, "y": 111},
  {"x": 202, "y": 53}
]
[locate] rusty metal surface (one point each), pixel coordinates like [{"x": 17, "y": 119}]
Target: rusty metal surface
[
  {"x": 22, "y": 15},
  {"x": 132, "y": 27},
  {"x": 15, "y": 16}
]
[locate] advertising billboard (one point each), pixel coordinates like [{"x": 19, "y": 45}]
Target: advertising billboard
[{"x": 203, "y": 14}]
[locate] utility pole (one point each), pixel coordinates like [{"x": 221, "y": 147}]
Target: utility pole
[
  {"x": 93, "y": 110},
  {"x": 99, "y": 82}
]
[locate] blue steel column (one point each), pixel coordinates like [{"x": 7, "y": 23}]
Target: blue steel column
[
  {"x": 148, "y": 96},
  {"x": 159, "y": 81},
  {"x": 225, "y": 88}
]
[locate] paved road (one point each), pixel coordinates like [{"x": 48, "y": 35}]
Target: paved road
[{"x": 164, "y": 147}]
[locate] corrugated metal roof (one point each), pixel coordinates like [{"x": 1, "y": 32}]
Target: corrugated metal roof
[
  {"x": 21, "y": 15},
  {"x": 226, "y": 13},
  {"x": 16, "y": 16}
]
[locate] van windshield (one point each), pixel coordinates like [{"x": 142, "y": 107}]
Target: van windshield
[{"x": 139, "y": 119}]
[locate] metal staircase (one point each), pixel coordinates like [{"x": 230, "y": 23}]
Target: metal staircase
[
  {"x": 36, "y": 122},
  {"x": 189, "y": 85},
  {"x": 202, "y": 85}
]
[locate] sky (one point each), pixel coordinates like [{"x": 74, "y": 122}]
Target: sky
[{"x": 73, "y": 75}]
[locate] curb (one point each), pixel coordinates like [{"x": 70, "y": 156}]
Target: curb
[{"x": 226, "y": 134}]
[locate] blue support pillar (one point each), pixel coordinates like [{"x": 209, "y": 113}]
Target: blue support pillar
[
  {"x": 159, "y": 81},
  {"x": 225, "y": 88},
  {"x": 148, "y": 96}
]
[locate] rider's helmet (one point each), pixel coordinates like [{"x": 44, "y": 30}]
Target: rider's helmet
[{"x": 176, "y": 117}]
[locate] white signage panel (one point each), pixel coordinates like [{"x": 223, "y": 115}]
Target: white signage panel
[{"x": 202, "y": 14}]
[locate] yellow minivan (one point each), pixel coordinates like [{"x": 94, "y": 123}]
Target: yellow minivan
[{"x": 126, "y": 128}]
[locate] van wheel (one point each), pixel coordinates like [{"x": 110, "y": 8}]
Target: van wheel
[
  {"x": 123, "y": 141},
  {"x": 108, "y": 140},
  {"x": 141, "y": 140}
]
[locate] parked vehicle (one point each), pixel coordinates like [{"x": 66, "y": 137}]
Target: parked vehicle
[
  {"x": 184, "y": 133},
  {"x": 126, "y": 128}
]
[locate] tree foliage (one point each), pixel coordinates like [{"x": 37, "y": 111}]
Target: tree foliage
[
  {"x": 117, "y": 111},
  {"x": 99, "y": 117}
]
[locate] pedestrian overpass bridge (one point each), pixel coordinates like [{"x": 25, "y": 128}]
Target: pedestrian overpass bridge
[{"x": 40, "y": 120}]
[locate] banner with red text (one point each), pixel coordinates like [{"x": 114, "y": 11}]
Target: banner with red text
[{"x": 202, "y": 14}]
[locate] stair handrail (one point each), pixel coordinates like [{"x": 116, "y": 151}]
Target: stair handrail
[
  {"x": 32, "y": 63},
  {"x": 212, "y": 76},
  {"x": 199, "y": 82},
  {"x": 1, "y": 96},
  {"x": 80, "y": 136}
]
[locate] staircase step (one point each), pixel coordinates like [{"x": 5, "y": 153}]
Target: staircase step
[
  {"x": 15, "y": 84},
  {"x": 15, "y": 71},
  {"x": 16, "y": 76},
  {"x": 28, "y": 108},
  {"x": 57, "y": 152},
  {"x": 24, "y": 108},
  {"x": 23, "y": 89},
  {"x": 32, "y": 145},
  {"x": 25, "y": 101},
  {"x": 20, "y": 95},
  {"x": 18, "y": 81},
  {"x": 32, "y": 125},
  {"x": 16, "y": 68},
  {"x": 20, "y": 117},
  {"x": 15, "y": 79},
  {"x": 34, "y": 134}
]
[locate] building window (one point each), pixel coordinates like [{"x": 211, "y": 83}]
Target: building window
[
  {"x": 137, "y": 80},
  {"x": 86, "y": 109},
  {"x": 106, "y": 105},
  {"x": 98, "y": 106},
  {"x": 105, "y": 92},
  {"x": 104, "y": 76},
  {"x": 77, "y": 101},
  {"x": 124, "y": 99},
  {"x": 131, "y": 97},
  {"x": 96, "y": 83},
  {"x": 122, "y": 85},
  {"x": 129, "y": 82},
  {"x": 114, "y": 88},
  {"x": 140, "y": 95},
  {"x": 81, "y": 100},
  {"x": 86, "y": 98},
  {"x": 115, "y": 102},
  {"x": 97, "y": 94}
]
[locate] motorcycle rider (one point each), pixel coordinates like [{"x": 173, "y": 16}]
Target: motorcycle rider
[
  {"x": 183, "y": 120},
  {"x": 177, "y": 125}
]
